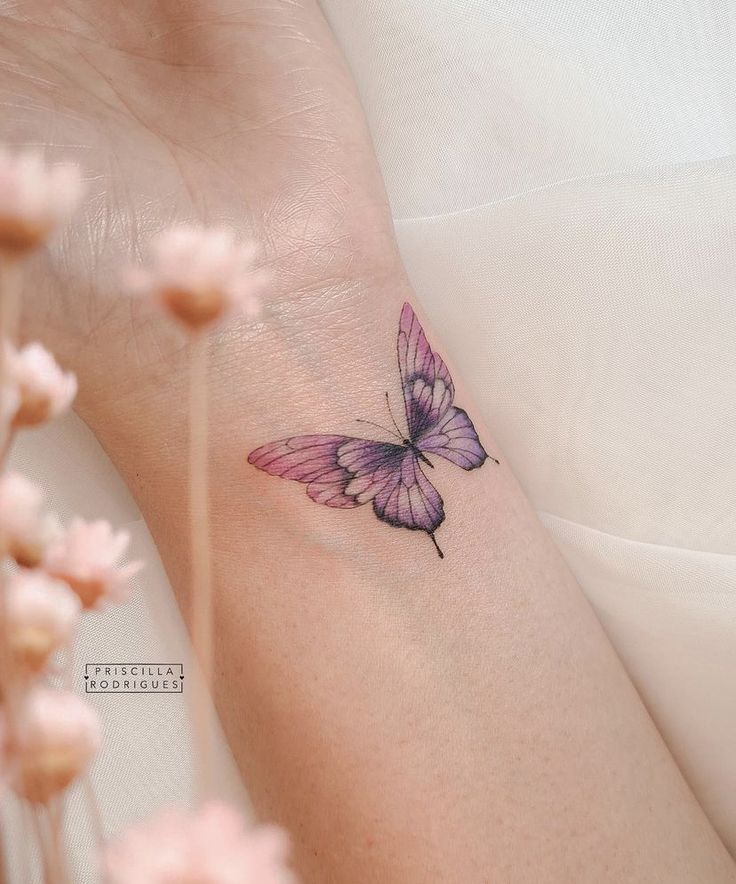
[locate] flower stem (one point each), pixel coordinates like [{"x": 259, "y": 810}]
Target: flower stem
[
  {"x": 201, "y": 559},
  {"x": 11, "y": 281},
  {"x": 93, "y": 806},
  {"x": 10, "y": 287},
  {"x": 55, "y": 813},
  {"x": 3, "y": 862},
  {"x": 47, "y": 862}
]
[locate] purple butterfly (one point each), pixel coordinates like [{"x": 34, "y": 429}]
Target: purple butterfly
[{"x": 342, "y": 471}]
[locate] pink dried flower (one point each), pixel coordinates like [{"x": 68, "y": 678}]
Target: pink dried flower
[
  {"x": 25, "y": 530},
  {"x": 55, "y": 735},
  {"x": 40, "y": 617},
  {"x": 43, "y": 389},
  {"x": 199, "y": 275},
  {"x": 34, "y": 198},
  {"x": 213, "y": 847},
  {"x": 86, "y": 558}
]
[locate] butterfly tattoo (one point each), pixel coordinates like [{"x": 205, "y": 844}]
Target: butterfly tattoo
[{"x": 345, "y": 472}]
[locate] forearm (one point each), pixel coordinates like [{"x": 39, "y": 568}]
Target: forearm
[{"x": 409, "y": 719}]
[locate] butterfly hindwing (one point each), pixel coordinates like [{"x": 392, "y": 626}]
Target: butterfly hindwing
[
  {"x": 409, "y": 499},
  {"x": 455, "y": 439}
]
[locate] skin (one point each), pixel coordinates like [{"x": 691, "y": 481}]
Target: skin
[{"x": 408, "y": 719}]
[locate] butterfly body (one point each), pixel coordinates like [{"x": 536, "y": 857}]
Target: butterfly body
[
  {"x": 407, "y": 443},
  {"x": 345, "y": 471}
]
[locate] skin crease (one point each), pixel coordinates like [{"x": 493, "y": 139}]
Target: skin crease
[{"x": 408, "y": 720}]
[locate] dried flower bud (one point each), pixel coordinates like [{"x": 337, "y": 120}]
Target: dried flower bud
[
  {"x": 55, "y": 735},
  {"x": 43, "y": 389},
  {"x": 200, "y": 275},
  {"x": 40, "y": 617},
  {"x": 213, "y": 846},
  {"x": 86, "y": 558},
  {"x": 25, "y": 530},
  {"x": 34, "y": 199}
]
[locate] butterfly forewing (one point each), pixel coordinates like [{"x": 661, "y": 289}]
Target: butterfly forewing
[
  {"x": 425, "y": 380},
  {"x": 342, "y": 471}
]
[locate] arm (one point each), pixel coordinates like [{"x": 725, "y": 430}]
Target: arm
[{"x": 408, "y": 719}]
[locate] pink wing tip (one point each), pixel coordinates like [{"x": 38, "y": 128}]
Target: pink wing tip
[
  {"x": 407, "y": 315},
  {"x": 256, "y": 456}
]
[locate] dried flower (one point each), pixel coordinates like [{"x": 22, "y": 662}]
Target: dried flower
[
  {"x": 86, "y": 558},
  {"x": 40, "y": 617},
  {"x": 213, "y": 847},
  {"x": 34, "y": 198},
  {"x": 43, "y": 389},
  {"x": 25, "y": 530},
  {"x": 199, "y": 275},
  {"x": 55, "y": 735}
]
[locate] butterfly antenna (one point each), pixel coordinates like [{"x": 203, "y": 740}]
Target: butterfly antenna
[
  {"x": 359, "y": 420},
  {"x": 436, "y": 546},
  {"x": 388, "y": 403}
]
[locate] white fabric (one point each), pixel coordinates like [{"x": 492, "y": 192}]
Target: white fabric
[{"x": 562, "y": 179}]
